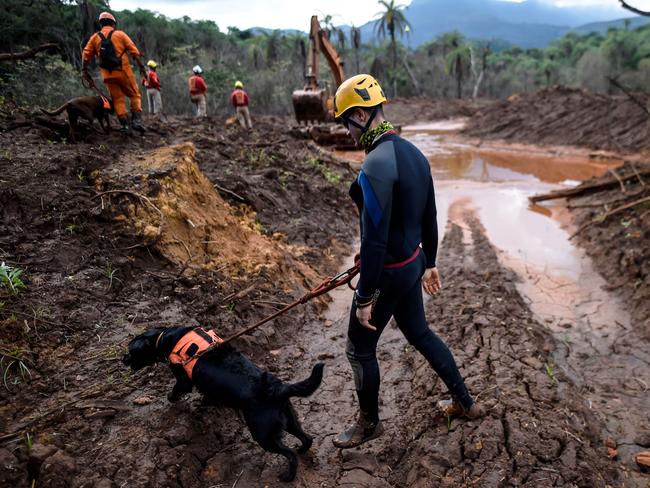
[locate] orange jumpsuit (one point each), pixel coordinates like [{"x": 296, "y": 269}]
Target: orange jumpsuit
[{"x": 121, "y": 82}]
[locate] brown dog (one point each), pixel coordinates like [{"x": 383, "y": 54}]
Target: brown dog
[{"x": 88, "y": 108}]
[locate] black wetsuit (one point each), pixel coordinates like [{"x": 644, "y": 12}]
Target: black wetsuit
[{"x": 395, "y": 196}]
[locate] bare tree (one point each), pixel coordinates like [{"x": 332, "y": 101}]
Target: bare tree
[{"x": 629, "y": 7}]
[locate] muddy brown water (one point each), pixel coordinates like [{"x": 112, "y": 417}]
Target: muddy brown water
[{"x": 598, "y": 347}]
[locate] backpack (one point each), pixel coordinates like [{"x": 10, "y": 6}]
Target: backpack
[{"x": 108, "y": 58}]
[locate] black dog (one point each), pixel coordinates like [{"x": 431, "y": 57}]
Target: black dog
[{"x": 226, "y": 377}]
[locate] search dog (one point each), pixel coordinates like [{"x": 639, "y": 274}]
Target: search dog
[
  {"x": 226, "y": 377},
  {"x": 88, "y": 108}
]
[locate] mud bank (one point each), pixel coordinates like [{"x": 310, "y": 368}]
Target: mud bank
[{"x": 565, "y": 116}]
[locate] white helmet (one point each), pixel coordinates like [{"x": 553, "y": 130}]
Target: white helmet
[{"x": 197, "y": 70}]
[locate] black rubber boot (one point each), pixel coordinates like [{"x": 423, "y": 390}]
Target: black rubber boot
[
  {"x": 136, "y": 122},
  {"x": 124, "y": 126},
  {"x": 361, "y": 431}
]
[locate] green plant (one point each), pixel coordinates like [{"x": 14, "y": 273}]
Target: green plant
[
  {"x": 29, "y": 441},
  {"x": 72, "y": 228},
  {"x": 109, "y": 272},
  {"x": 329, "y": 175},
  {"x": 550, "y": 371},
  {"x": 10, "y": 279},
  {"x": 15, "y": 371},
  {"x": 81, "y": 176}
]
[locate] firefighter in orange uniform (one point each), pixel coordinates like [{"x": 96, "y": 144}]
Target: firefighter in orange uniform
[
  {"x": 240, "y": 100},
  {"x": 111, "y": 46},
  {"x": 198, "y": 92}
]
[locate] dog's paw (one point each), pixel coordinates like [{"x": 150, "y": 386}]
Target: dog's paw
[
  {"x": 305, "y": 446},
  {"x": 173, "y": 397},
  {"x": 287, "y": 476}
]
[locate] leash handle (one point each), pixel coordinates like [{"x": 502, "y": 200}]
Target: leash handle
[{"x": 89, "y": 83}]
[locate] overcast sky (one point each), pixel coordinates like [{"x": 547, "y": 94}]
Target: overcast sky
[{"x": 292, "y": 14}]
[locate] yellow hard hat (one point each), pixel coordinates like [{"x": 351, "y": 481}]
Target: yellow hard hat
[
  {"x": 358, "y": 91},
  {"x": 239, "y": 84},
  {"x": 152, "y": 64}
]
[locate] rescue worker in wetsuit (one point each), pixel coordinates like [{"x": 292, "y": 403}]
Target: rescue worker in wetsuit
[
  {"x": 395, "y": 197},
  {"x": 119, "y": 79}
]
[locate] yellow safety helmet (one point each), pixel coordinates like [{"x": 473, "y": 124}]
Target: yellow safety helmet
[
  {"x": 152, "y": 64},
  {"x": 239, "y": 84},
  {"x": 358, "y": 91}
]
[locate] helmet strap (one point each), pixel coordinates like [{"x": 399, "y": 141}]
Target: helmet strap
[{"x": 365, "y": 128}]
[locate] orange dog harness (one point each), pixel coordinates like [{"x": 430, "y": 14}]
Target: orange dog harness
[{"x": 191, "y": 344}]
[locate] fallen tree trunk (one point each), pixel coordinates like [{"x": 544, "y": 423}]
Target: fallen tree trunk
[
  {"x": 27, "y": 54},
  {"x": 586, "y": 188}
]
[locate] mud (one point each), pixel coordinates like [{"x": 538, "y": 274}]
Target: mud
[
  {"x": 566, "y": 116},
  {"x": 616, "y": 238},
  {"x": 116, "y": 235},
  {"x": 202, "y": 223},
  {"x": 421, "y": 109}
]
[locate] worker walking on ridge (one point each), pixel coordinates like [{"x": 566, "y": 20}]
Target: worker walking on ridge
[
  {"x": 395, "y": 197},
  {"x": 111, "y": 46},
  {"x": 240, "y": 100},
  {"x": 152, "y": 84},
  {"x": 198, "y": 92}
]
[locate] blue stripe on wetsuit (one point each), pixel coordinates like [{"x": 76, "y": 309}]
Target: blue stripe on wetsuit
[{"x": 370, "y": 201}]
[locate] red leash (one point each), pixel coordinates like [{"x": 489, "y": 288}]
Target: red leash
[{"x": 340, "y": 279}]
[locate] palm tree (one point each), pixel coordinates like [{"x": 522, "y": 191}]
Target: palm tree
[
  {"x": 355, "y": 40},
  {"x": 393, "y": 22},
  {"x": 457, "y": 58}
]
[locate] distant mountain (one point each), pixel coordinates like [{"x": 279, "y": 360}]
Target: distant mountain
[
  {"x": 603, "y": 27},
  {"x": 528, "y": 24}
]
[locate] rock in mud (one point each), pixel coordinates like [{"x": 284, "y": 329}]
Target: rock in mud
[
  {"x": 57, "y": 471},
  {"x": 9, "y": 468}
]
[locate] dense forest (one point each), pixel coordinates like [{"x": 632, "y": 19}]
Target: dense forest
[{"x": 271, "y": 63}]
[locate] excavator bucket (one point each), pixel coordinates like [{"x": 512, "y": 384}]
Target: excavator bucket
[{"x": 311, "y": 105}]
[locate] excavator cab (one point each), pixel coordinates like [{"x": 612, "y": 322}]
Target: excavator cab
[{"x": 314, "y": 103}]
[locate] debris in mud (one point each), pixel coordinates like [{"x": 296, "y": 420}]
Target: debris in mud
[
  {"x": 612, "y": 215},
  {"x": 565, "y": 116}
]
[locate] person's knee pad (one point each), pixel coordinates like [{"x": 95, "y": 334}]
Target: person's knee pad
[{"x": 357, "y": 368}]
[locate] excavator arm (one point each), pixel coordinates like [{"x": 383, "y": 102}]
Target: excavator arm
[{"x": 314, "y": 103}]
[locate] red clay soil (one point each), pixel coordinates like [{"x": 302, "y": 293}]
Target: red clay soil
[{"x": 566, "y": 116}]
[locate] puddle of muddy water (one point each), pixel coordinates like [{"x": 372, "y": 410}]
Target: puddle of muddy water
[{"x": 598, "y": 348}]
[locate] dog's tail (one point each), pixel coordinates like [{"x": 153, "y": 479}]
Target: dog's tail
[
  {"x": 302, "y": 388},
  {"x": 57, "y": 111}
]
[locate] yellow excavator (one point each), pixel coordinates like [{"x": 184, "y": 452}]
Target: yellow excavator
[{"x": 315, "y": 103}]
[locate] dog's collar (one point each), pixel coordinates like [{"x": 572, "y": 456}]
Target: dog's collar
[{"x": 158, "y": 343}]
